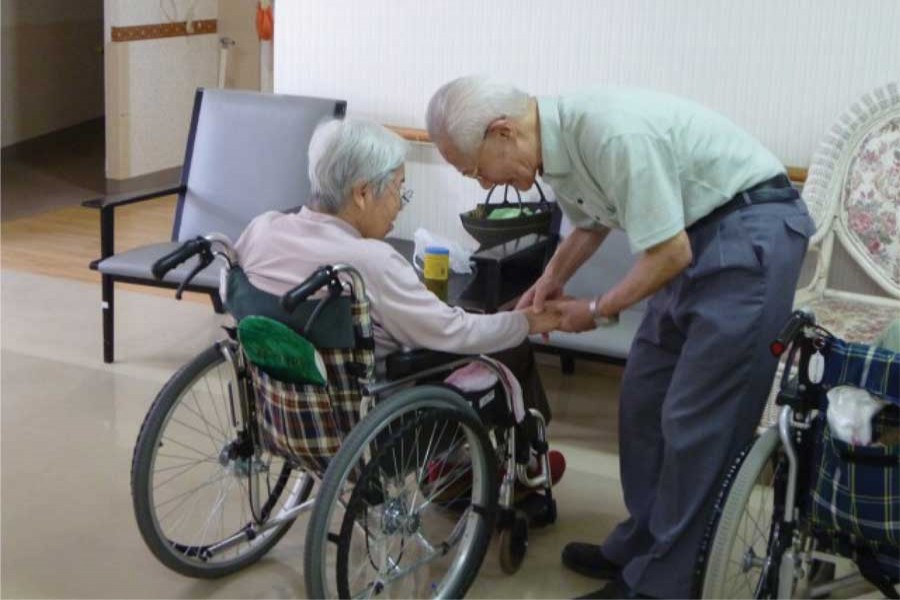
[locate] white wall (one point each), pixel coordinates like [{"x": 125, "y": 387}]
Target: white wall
[
  {"x": 52, "y": 66},
  {"x": 782, "y": 70},
  {"x": 150, "y": 85}
]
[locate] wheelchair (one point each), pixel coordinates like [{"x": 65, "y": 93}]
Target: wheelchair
[
  {"x": 798, "y": 499},
  {"x": 411, "y": 475}
]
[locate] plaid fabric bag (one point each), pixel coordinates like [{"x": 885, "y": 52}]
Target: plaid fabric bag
[
  {"x": 856, "y": 492},
  {"x": 857, "y": 488},
  {"x": 307, "y": 423}
]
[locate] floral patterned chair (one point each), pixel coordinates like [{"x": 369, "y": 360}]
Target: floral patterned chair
[{"x": 853, "y": 195}]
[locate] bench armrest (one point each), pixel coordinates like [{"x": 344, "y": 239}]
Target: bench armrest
[
  {"x": 106, "y": 206},
  {"x": 114, "y": 200}
]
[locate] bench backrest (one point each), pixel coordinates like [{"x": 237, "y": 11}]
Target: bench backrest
[{"x": 246, "y": 154}]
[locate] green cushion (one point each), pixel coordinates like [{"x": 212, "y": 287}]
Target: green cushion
[{"x": 280, "y": 351}]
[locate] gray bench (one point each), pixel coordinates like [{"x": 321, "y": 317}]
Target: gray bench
[
  {"x": 246, "y": 154},
  {"x": 607, "y": 344}
]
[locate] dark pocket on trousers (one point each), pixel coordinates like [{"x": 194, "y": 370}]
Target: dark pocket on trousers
[
  {"x": 721, "y": 246},
  {"x": 802, "y": 225}
]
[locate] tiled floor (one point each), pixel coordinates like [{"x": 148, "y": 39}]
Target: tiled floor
[{"x": 69, "y": 423}]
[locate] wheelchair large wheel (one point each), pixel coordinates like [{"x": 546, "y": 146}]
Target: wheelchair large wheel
[
  {"x": 406, "y": 507},
  {"x": 745, "y": 543},
  {"x": 202, "y": 489}
]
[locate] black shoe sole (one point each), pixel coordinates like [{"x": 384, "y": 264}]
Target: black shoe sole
[{"x": 592, "y": 572}]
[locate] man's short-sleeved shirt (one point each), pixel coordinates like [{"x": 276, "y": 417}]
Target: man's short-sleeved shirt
[{"x": 646, "y": 162}]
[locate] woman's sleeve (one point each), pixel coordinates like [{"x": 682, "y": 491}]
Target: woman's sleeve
[{"x": 416, "y": 318}]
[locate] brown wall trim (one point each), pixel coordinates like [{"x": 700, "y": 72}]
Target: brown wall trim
[
  {"x": 796, "y": 174},
  {"x": 155, "y": 31}
]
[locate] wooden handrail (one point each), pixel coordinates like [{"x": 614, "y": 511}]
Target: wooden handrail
[
  {"x": 796, "y": 174},
  {"x": 154, "y": 31},
  {"x": 413, "y": 135}
]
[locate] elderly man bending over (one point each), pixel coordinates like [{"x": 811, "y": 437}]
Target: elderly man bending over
[{"x": 720, "y": 235}]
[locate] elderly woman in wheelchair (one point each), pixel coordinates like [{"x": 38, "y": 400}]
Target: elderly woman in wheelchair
[{"x": 416, "y": 465}]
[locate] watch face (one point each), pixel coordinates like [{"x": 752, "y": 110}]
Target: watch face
[{"x": 602, "y": 321}]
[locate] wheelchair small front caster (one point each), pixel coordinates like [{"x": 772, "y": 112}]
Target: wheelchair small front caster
[
  {"x": 514, "y": 543},
  {"x": 548, "y": 516},
  {"x": 539, "y": 508}
]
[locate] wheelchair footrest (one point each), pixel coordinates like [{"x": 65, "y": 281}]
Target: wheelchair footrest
[{"x": 540, "y": 509}]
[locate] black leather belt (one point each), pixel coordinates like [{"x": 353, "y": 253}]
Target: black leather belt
[{"x": 776, "y": 189}]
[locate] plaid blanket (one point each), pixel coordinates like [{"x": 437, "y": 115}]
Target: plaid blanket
[{"x": 306, "y": 423}]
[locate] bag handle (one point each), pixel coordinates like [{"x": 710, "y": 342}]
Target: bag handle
[
  {"x": 506, "y": 202},
  {"x": 505, "y": 195}
]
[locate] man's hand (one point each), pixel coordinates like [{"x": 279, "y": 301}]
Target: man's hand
[
  {"x": 541, "y": 322},
  {"x": 547, "y": 287},
  {"x": 575, "y": 314}
]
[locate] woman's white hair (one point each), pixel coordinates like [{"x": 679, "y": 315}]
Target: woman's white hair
[
  {"x": 460, "y": 111},
  {"x": 347, "y": 152}
]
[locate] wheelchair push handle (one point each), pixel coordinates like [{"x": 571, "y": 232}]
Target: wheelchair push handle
[
  {"x": 315, "y": 282},
  {"x": 794, "y": 326},
  {"x": 185, "y": 251}
]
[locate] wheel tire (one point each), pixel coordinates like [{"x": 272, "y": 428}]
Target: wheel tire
[
  {"x": 449, "y": 405},
  {"x": 184, "y": 555},
  {"x": 726, "y": 528},
  {"x": 514, "y": 544}
]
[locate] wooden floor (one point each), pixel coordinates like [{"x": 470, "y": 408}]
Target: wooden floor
[{"x": 62, "y": 242}]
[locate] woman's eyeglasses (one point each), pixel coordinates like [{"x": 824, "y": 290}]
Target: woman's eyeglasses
[{"x": 406, "y": 195}]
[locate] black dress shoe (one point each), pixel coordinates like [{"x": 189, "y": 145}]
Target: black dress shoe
[
  {"x": 588, "y": 560},
  {"x": 615, "y": 589}
]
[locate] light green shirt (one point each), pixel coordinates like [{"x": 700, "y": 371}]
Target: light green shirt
[{"x": 649, "y": 163}]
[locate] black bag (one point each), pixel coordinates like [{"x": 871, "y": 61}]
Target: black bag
[{"x": 491, "y": 232}]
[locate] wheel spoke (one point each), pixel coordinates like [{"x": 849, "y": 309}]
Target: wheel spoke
[{"x": 186, "y": 500}]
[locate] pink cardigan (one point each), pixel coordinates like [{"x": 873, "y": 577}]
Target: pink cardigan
[{"x": 278, "y": 251}]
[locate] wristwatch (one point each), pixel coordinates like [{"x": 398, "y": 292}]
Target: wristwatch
[{"x": 601, "y": 320}]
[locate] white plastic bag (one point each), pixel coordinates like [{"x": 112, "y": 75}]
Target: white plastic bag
[
  {"x": 850, "y": 412},
  {"x": 459, "y": 256}
]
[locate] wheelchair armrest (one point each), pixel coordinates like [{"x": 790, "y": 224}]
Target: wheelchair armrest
[{"x": 404, "y": 363}]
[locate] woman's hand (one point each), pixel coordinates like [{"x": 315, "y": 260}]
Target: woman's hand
[
  {"x": 547, "y": 287},
  {"x": 541, "y": 322}
]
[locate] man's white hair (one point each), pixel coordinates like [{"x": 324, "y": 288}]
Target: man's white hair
[
  {"x": 460, "y": 111},
  {"x": 347, "y": 152}
]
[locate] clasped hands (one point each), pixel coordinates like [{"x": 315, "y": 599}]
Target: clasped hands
[{"x": 548, "y": 309}]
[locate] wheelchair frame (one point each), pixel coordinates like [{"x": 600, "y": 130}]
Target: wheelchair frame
[
  {"x": 240, "y": 388},
  {"x": 792, "y": 556}
]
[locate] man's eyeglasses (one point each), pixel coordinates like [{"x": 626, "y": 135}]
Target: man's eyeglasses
[{"x": 474, "y": 173}]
